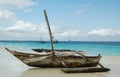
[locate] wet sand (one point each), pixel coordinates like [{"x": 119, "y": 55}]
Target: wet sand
[{"x": 12, "y": 67}]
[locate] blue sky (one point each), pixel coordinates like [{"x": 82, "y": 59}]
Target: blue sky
[{"x": 81, "y": 20}]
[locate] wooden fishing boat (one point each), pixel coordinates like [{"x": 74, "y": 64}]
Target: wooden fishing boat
[{"x": 46, "y": 60}]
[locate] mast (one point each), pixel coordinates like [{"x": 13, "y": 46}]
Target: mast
[{"x": 50, "y": 34}]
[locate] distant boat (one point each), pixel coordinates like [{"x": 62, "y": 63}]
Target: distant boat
[
  {"x": 54, "y": 40},
  {"x": 41, "y": 41}
]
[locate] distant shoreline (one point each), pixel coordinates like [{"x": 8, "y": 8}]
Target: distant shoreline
[{"x": 59, "y": 41}]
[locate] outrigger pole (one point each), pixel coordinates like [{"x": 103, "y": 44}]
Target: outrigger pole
[{"x": 50, "y": 33}]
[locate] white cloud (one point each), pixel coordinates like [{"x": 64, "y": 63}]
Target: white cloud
[
  {"x": 104, "y": 32},
  {"x": 69, "y": 32},
  {"x": 7, "y": 15},
  {"x": 15, "y": 3},
  {"x": 23, "y": 30},
  {"x": 27, "y": 10},
  {"x": 79, "y": 11},
  {"x": 30, "y": 31},
  {"x": 22, "y": 26},
  {"x": 27, "y": 29},
  {"x": 81, "y": 8}
]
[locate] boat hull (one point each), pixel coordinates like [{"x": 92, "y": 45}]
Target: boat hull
[
  {"x": 38, "y": 60},
  {"x": 69, "y": 62}
]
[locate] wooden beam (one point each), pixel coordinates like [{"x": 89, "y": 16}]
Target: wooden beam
[{"x": 50, "y": 34}]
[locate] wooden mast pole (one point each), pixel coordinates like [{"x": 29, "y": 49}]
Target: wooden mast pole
[{"x": 50, "y": 34}]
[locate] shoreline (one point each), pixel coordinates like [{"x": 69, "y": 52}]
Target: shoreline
[{"x": 12, "y": 67}]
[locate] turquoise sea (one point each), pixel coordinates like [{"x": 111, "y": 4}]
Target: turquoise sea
[{"x": 92, "y": 47}]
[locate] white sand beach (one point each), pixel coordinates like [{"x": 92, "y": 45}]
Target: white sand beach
[{"x": 12, "y": 67}]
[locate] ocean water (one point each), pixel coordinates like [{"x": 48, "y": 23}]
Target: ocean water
[{"x": 91, "y": 47}]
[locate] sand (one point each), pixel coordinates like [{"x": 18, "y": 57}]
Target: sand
[{"x": 12, "y": 67}]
